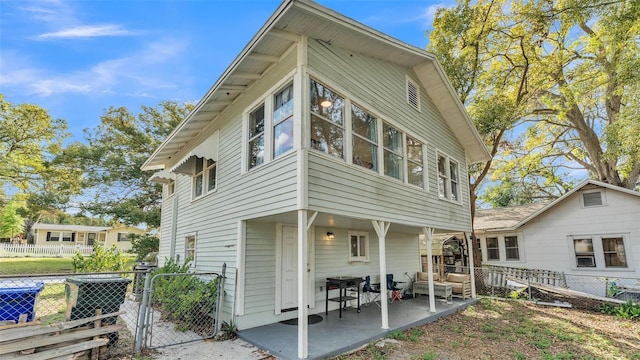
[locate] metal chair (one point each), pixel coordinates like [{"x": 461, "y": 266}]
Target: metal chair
[
  {"x": 371, "y": 292},
  {"x": 392, "y": 286}
]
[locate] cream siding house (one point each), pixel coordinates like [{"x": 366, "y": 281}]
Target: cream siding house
[
  {"x": 326, "y": 148},
  {"x": 84, "y": 235},
  {"x": 592, "y": 230}
]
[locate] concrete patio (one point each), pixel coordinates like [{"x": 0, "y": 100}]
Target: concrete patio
[{"x": 333, "y": 336}]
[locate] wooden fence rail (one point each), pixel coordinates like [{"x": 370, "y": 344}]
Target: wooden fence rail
[
  {"x": 53, "y": 250},
  {"x": 498, "y": 276}
]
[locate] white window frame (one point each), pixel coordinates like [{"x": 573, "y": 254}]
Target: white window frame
[
  {"x": 360, "y": 257},
  {"x": 487, "y": 247},
  {"x": 50, "y": 236},
  {"x": 124, "y": 236},
  {"x": 518, "y": 247},
  {"x": 602, "y": 197},
  {"x": 268, "y": 101},
  {"x": 188, "y": 250},
  {"x": 598, "y": 252},
  {"x": 204, "y": 173},
  {"x": 171, "y": 187},
  {"x": 447, "y": 179},
  {"x": 349, "y": 134},
  {"x": 624, "y": 248}
]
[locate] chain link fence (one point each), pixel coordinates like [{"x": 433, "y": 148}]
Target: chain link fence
[
  {"x": 557, "y": 288},
  {"x": 149, "y": 310}
]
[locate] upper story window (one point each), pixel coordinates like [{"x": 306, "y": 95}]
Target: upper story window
[
  {"x": 327, "y": 120},
  {"x": 364, "y": 137},
  {"x": 171, "y": 187},
  {"x": 371, "y": 143},
  {"x": 393, "y": 152},
  {"x": 592, "y": 198},
  {"x": 358, "y": 246},
  {"x": 204, "y": 177},
  {"x": 448, "y": 180},
  {"x": 283, "y": 121},
  {"x": 270, "y": 127},
  {"x": 256, "y": 137}
]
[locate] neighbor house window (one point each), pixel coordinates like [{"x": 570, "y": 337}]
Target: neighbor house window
[
  {"x": 327, "y": 120},
  {"x": 358, "y": 246},
  {"x": 448, "y": 178},
  {"x": 68, "y": 236},
  {"x": 493, "y": 251},
  {"x": 364, "y": 139},
  {"x": 53, "y": 236},
  {"x": 204, "y": 179},
  {"x": 256, "y": 137},
  {"x": 614, "y": 254},
  {"x": 511, "y": 247},
  {"x": 123, "y": 237},
  {"x": 393, "y": 152},
  {"x": 585, "y": 256},
  {"x": 190, "y": 248},
  {"x": 91, "y": 238},
  {"x": 415, "y": 159},
  {"x": 283, "y": 121}
]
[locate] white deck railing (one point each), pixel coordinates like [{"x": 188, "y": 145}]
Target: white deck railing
[{"x": 59, "y": 250}]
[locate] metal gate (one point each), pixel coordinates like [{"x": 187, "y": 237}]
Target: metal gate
[{"x": 177, "y": 308}]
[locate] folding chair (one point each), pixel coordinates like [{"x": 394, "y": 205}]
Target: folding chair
[
  {"x": 396, "y": 292},
  {"x": 371, "y": 292}
]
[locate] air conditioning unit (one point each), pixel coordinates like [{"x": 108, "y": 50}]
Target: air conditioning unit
[{"x": 586, "y": 261}]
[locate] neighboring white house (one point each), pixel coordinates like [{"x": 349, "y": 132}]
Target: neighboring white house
[
  {"x": 84, "y": 235},
  {"x": 326, "y": 148},
  {"x": 594, "y": 230}
]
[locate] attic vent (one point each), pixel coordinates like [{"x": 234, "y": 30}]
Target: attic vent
[
  {"x": 413, "y": 94},
  {"x": 592, "y": 199}
]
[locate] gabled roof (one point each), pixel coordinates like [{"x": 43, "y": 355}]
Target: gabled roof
[
  {"x": 281, "y": 31},
  {"x": 511, "y": 218}
]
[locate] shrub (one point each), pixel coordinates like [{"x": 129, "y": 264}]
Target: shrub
[
  {"x": 185, "y": 300},
  {"x": 141, "y": 245},
  {"x": 100, "y": 260}
]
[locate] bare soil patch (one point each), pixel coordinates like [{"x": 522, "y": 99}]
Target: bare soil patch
[{"x": 496, "y": 329}]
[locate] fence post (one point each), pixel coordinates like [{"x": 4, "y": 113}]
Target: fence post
[
  {"x": 529, "y": 283},
  {"x": 142, "y": 313},
  {"x": 219, "y": 298}
]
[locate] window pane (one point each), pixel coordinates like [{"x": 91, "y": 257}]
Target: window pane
[
  {"x": 493, "y": 253},
  {"x": 256, "y": 122},
  {"x": 283, "y": 137},
  {"x": 583, "y": 245},
  {"x": 442, "y": 165},
  {"x": 364, "y": 124},
  {"x": 453, "y": 171},
  {"x": 363, "y": 246},
  {"x": 212, "y": 178},
  {"x": 326, "y": 103},
  {"x": 393, "y": 165},
  {"x": 414, "y": 174},
  {"x": 256, "y": 150},
  {"x": 283, "y": 104},
  {"x": 365, "y": 154},
  {"x": 392, "y": 139},
  {"x": 197, "y": 188},
  {"x": 614, "y": 254},
  {"x": 511, "y": 245},
  {"x": 198, "y": 165},
  {"x": 454, "y": 191},
  {"x": 414, "y": 150},
  {"x": 354, "y": 246},
  {"x": 327, "y": 137}
]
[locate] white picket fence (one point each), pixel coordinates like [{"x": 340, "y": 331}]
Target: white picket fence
[{"x": 47, "y": 250}]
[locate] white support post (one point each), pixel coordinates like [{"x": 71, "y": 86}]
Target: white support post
[
  {"x": 381, "y": 228},
  {"x": 428, "y": 234},
  {"x": 303, "y": 321},
  {"x": 472, "y": 272}
]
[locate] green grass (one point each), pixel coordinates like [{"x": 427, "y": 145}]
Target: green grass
[
  {"x": 29, "y": 265},
  {"x": 21, "y": 266}
]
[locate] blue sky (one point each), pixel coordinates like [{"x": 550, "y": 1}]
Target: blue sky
[{"x": 78, "y": 58}]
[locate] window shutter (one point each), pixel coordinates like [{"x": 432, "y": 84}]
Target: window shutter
[{"x": 592, "y": 199}]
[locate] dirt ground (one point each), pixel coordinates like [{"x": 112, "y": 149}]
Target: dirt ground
[{"x": 512, "y": 330}]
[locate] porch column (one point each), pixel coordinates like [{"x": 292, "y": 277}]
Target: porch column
[
  {"x": 303, "y": 298},
  {"x": 381, "y": 228},
  {"x": 428, "y": 235},
  {"x": 472, "y": 271}
]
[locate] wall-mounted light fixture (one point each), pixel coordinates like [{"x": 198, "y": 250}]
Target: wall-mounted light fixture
[
  {"x": 330, "y": 235},
  {"x": 325, "y": 103}
]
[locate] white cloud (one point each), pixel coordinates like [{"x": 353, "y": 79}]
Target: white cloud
[{"x": 87, "y": 31}]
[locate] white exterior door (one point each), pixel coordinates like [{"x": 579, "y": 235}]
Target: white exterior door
[{"x": 289, "y": 269}]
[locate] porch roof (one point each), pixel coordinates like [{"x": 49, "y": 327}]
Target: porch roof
[{"x": 282, "y": 31}]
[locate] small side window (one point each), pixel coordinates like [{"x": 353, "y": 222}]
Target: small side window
[{"x": 358, "y": 246}]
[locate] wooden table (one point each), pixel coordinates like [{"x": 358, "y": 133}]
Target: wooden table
[
  {"x": 439, "y": 289},
  {"x": 341, "y": 283}
]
